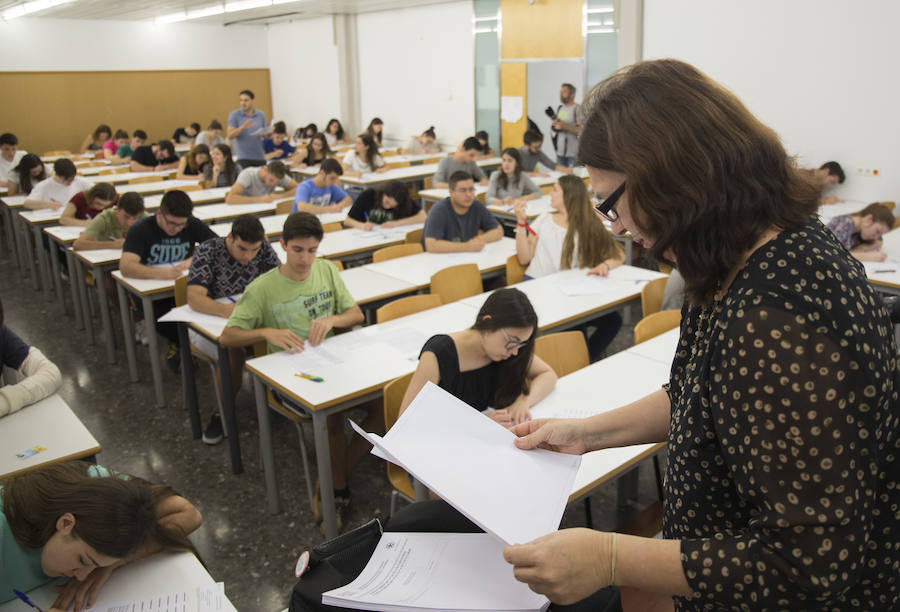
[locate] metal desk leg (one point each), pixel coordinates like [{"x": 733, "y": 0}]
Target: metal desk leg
[
  {"x": 105, "y": 318},
  {"x": 29, "y": 253},
  {"x": 323, "y": 458},
  {"x": 7, "y": 223},
  {"x": 86, "y": 307},
  {"x": 265, "y": 446},
  {"x": 153, "y": 337},
  {"x": 234, "y": 442},
  {"x": 55, "y": 249},
  {"x": 43, "y": 264},
  {"x": 128, "y": 332},
  {"x": 19, "y": 242},
  {"x": 188, "y": 383},
  {"x": 76, "y": 279}
]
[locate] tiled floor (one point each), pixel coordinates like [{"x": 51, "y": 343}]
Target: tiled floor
[{"x": 251, "y": 551}]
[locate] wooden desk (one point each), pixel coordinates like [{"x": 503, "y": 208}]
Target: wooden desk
[{"x": 49, "y": 423}]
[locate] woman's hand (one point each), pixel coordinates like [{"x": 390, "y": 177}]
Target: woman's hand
[
  {"x": 601, "y": 269},
  {"x": 566, "y": 566},
  {"x": 499, "y": 416},
  {"x": 82, "y": 594},
  {"x": 519, "y": 410},
  {"x": 559, "y": 435},
  {"x": 520, "y": 208}
]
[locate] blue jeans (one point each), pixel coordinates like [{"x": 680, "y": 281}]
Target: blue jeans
[{"x": 563, "y": 160}]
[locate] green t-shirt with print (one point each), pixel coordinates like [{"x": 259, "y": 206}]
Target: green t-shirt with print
[
  {"x": 273, "y": 300},
  {"x": 105, "y": 226}
]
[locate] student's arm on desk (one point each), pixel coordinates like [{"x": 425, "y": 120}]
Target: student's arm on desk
[
  {"x": 543, "y": 380},
  {"x": 603, "y": 268},
  {"x": 68, "y": 217},
  {"x": 419, "y": 217},
  {"x": 198, "y": 299},
  {"x": 236, "y": 195},
  {"x": 86, "y": 243},
  {"x": 39, "y": 204},
  {"x": 492, "y": 235},
  {"x": 41, "y": 379},
  {"x": 319, "y": 328},
  {"x": 139, "y": 167},
  {"x": 433, "y": 245},
  {"x": 284, "y": 339},
  {"x": 318, "y": 210},
  {"x": 130, "y": 265},
  {"x": 182, "y": 167}
]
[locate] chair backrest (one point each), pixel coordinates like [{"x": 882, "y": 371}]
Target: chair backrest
[
  {"x": 656, "y": 324},
  {"x": 332, "y": 227},
  {"x": 407, "y": 306},
  {"x": 414, "y": 237},
  {"x": 181, "y": 290},
  {"x": 144, "y": 179},
  {"x": 393, "y": 397},
  {"x": 57, "y": 152},
  {"x": 283, "y": 207},
  {"x": 456, "y": 282},
  {"x": 565, "y": 352},
  {"x": 108, "y": 171},
  {"x": 664, "y": 268},
  {"x": 652, "y": 296},
  {"x": 337, "y": 264},
  {"x": 398, "y": 250},
  {"x": 515, "y": 272}
]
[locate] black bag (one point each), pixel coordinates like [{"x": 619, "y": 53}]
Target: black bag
[{"x": 339, "y": 561}]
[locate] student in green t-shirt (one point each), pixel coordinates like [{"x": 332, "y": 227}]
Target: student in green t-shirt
[
  {"x": 107, "y": 230},
  {"x": 299, "y": 303}
]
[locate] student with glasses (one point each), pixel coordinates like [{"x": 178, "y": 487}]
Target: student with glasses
[{"x": 491, "y": 364}]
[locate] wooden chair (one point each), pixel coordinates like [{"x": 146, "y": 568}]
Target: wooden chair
[
  {"x": 565, "y": 351},
  {"x": 398, "y": 250},
  {"x": 407, "y": 306},
  {"x": 337, "y": 264},
  {"x": 414, "y": 237},
  {"x": 144, "y": 179},
  {"x": 184, "y": 188},
  {"x": 332, "y": 227},
  {"x": 656, "y": 324},
  {"x": 57, "y": 152},
  {"x": 515, "y": 272},
  {"x": 664, "y": 268},
  {"x": 652, "y": 296},
  {"x": 283, "y": 207},
  {"x": 397, "y": 164},
  {"x": 399, "y": 478},
  {"x": 456, "y": 282},
  {"x": 113, "y": 171}
]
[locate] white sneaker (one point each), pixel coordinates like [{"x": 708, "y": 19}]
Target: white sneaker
[{"x": 140, "y": 334}]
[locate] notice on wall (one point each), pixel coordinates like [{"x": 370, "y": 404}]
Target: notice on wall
[{"x": 511, "y": 108}]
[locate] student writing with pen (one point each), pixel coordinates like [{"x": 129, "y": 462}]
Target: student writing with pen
[
  {"x": 861, "y": 232},
  {"x": 297, "y": 305},
  {"x": 54, "y": 191}
]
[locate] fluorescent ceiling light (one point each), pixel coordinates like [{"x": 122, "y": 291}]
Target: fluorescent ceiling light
[
  {"x": 491, "y": 18},
  {"x": 171, "y": 17},
  {"x": 26, "y": 8},
  {"x": 209, "y": 11},
  {"x": 243, "y": 5},
  {"x": 594, "y": 30},
  {"x": 593, "y": 11}
]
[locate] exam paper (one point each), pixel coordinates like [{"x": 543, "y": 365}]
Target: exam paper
[
  {"x": 437, "y": 571},
  {"x": 881, "y": 267},
  {"x": 586, "y": 285},
  {"x": 311, "y": 358},
  {"x": 169, "y": 602}
]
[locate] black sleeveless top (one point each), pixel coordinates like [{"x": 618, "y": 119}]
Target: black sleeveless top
[{"x": 474, "y": 387}]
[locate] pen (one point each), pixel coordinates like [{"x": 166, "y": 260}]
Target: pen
[
  {"x": 24, "y": 598},
  {"x": 366, "y": 215},
  {"x": 231, "y": 299},
  {"x": 309, "y": 377},
  {"x": 883, "y": 271}
]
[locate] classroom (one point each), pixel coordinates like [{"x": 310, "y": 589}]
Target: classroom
[{"x": 230, "y": 228}]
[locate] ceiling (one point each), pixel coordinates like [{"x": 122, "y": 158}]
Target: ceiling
[{"x": 147, "y": 10}]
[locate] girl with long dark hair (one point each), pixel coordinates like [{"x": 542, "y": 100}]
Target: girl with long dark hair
[{"x": 389, "y": 206}]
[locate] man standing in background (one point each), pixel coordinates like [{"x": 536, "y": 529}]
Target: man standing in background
[
  {"x": 246, "y": 126},
  {"x": 567, "y": 125}
]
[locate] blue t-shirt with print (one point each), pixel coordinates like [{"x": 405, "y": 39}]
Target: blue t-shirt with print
[{"x": 317, "y": 196}]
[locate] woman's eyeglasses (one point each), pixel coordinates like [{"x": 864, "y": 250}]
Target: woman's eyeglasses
[
  {"x": 606, "y": 207},
  {"x": 510, "y": 343}
]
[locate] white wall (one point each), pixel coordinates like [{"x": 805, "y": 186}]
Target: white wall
[
  {"x": 74, "y": 44},
  {"x": 417, "y": 69},
  {"x": 303, "y": 67},
  {"x": 819, "y": 72}
]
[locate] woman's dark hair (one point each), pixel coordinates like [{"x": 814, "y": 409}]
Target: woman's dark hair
[
  {"x": 101, "y": 191},
  {"x": 279, "y": 128},
  {"x": 377, "y": 136},
  {"x": 371, "y": 149},
  {"x": 229, "y": 162},
  {"x": 120, "y": 134},
  {"x": 509, "y": 308},
  {"x": 705, "y": 178},
  {"x": 28, "y": 162},
  {"x": 102, "y": 129},
  {"x": 340, "y": 131},
  {"x": 482, "y": 135},
  {"x": 302, "y": 225},
  {"x": 114, "y": 516},
  {"x": 585, "y": 229},
  {"x": 503, "y": 179},
  {"x": 880, "y": 214},
  {"x": 326, "y": 150},
  {"x": 200, "y": 149},
  {"x": 214, "y": 125},
  {"x": 397, "y": 191},
  {"x": 195, "y": 126},
  {"x": 310, "y": 130},
  {"x": 430, "y": 132}
]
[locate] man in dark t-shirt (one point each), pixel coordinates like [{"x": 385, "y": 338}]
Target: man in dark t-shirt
[
  {"x": 154, "y": 157},
  {"x": 453, "y": 224}
]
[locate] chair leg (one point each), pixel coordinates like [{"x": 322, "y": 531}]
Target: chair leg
[
  {"x": 216, "y": 386},
  {"x": 306, "y": 474},
  {"x": 659, "y": 481}
]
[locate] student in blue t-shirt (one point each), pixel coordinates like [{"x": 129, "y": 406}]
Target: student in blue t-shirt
[
  {"x": 278, "y": 147},
  {"x": 320, "y": 194}
]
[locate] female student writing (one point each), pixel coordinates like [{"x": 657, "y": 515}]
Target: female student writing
[
  {"x": 111, "y": 146},
  {"x": 861, "y": 232},
  {"x": 83, "y": 521},
  {"x": 193, "y": 165},
  {"x": 29, "y": 172},
  {"x": 572, "y": 236},
  {"x": 94, "y": 141},
  {"x": 334, "y": 133},
  {"x": 221, "y": 171},
  {"x": 363, "y": 157},
  {"x": 490, "y": 365},
  {"x": 85, "y": 205},
  {"x": 426, "y": 142},
  {"x": 303, "y": 134},
  {"x": 376, "y": 130},
  {"x": 511, "y": 183},
  {"x": 390, "y": 206},
  {"x": 316, "y": 151}
]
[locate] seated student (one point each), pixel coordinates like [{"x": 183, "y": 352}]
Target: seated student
[
  {"x": 389, "y": 206},
  {"x": 111, "y": 146},
  {"x": 186, "y": 135},
  {"x": 320, "y": 194},
  {"x": 38, "y": 376},
  {"x": 510, "y": 183},
  {"x": 861, "y": 232},
  {"x": 296, "y": 304},
  {"x": 193, "y": 164},
  {"x": 463, "y": 160},
  {"x": 256, "y": 184},
  {"x": 491, "y": 364},
  {"x": 220, "y": 268},
  {"x": 376, "y": 130},
  {"x": 161, "y": 247},
  {"x": 426, "y": 142},
  {"x": 94, "y": 141},
  {"x": 453, "y": 223},
  {"x": 334, "y": 133},
  {"x": 532, "y": 154},
  {"x": 83, "y": 521},
  {"x": 572, "y": 236},
  {"x": 54, "y": 191},
  {"x": 830, "y": 174},
  {"x": 486, "y": 150},
  {"x": 302, "y": 135},
  {"x": 155, "y": 157},
  {"x": 29, "y": 172},
  {"x": 89, "y": 204},
  {"x": 363, "y": 158},
  {"x": 211, "y": 136},
  {"x": 221, "y": 171},
  {"x": 107, "y": 230},
  {"x": 316, "y": 151},
  {"x": 10, "y": 156},
  {"x": 278, "y": 147},
  {"x": 125, "y": 151}
]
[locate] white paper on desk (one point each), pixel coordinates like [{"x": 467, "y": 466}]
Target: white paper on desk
[
  {"x": 186, "y": 314},
  {"x": 585, "y": 285},
  {"x": 632, "y": 274},
  {"x": 436, "y": 571},
  {"x": 169, "y": 602},
  {"x": 471, "y": 462},
  {"x": 210, "y": 598},
  {"x": 407, "y": 340},
  {"x": 880, "y": 267},
  {"x": 311, "y": 357}
]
